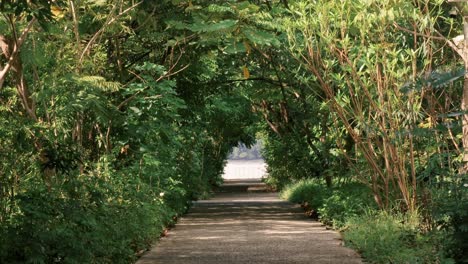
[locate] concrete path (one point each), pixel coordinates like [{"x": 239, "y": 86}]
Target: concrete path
[{"x": 241, "y": 225}]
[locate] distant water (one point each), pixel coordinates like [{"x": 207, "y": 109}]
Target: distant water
[{"x": 245, "y": 169}]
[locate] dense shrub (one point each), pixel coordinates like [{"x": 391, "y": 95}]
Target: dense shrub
[
  {"x": 390, "y": 238},
  {"x": 344, "y": 202},
  {"x": 96, "y": 223},
  {"x": 333, "y": 205},
  {"x": 288, "y": 159},
  {"x": 450, "y": 212},
  {"x": 380, "y": 237},
  {"x": 310, "y": 191}
]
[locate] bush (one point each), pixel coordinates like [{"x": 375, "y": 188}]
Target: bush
[
  {"x": 344, "y": 202},
  {"x": 96, "y": 222},
  {"x": 309, "y": 191},
  {"x": 450, "y": 212},
  {"x": 379, "y": 236},
  {"x": 288, "y": 160},
  {"x": 385, "y": 238},
  {"x": 333, "y": 205}
]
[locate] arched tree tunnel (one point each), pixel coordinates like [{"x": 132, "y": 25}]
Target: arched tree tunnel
[{"x": 115, "y": 115}]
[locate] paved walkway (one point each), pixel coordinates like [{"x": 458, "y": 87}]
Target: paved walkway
[{"x": 242, "y": 225}]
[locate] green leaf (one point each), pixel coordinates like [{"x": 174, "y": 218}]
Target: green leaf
[
  {"x": 261, "y": 37},
  {"x": 234, "y": 48},
  {"x": 213, "y": 8},
  {"x": 97, "y": 82},
  {"x": 176, "y": 24},
  {"x": 222, "y": 25},
  {"x": 435, "y": 80},
  {"x": 135, "y": 109}
]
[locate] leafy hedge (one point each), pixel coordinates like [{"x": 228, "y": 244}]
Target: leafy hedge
[
  {"x": 93, "y": 222},
  {"x": 389, "y": 238},
  {"x": 379, "y": 236},
  {"x": 334, "y": 206}
]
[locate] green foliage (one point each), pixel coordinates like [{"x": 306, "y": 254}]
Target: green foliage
[
  {"x": 130, "y": 111},
  {"x": 94, "y": 221},
  {"x": 122, "y": 138},
  {"x": 391, "y": 238},
  {"x": 214, "y": 27},
  {"x": 450, "y": 212},
  {"x": 39, "y": 9},
  {"x": 435, "y": 80},
  {"x": 393, "y": 122},
  {"x": 310, "y": 191},
  {"x": 380, "y": 236},
  {"x": 333, "y": 206},
  {"x": 346, "y": 201},
  {"x": 289, "y": 160}
]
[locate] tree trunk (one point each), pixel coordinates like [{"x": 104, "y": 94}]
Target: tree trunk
[
  {"x": 464, "y": 104},
  {"x": 464, "y": 108},
  {"x": 325, "y": 149}
]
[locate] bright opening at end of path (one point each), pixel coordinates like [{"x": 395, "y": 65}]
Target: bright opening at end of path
[{"x": 245, "y": 163}]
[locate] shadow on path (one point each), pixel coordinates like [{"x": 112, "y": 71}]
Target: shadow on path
[{"x": 245, "y": 224}]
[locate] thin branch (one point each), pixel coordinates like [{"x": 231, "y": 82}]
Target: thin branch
[
  {"x": 16, "y": 47},
  {"x": 262, "y": 79},
  {"x": 451, "y": 44},
  {"x": 100, "y": 31},
  {"x": 416, "y": 33},
  {"x": 137, "y": 76},
  {"x": 174, "y": 73},
  {"x": 455, "y": 48},
  {"x": 133, "y": 96},
  {"x": 77, "y": 34}
]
